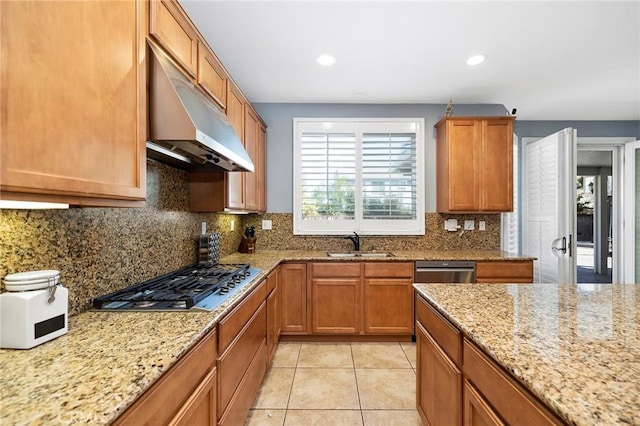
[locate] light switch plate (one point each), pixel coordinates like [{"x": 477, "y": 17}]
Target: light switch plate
[
  {"x": 204, "y": 228},
  {"x": 482, "y": 225},
  {"x": 267, "y": 225},
  {"x": 469, "y": 225}
]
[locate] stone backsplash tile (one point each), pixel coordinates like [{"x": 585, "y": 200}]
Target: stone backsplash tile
[
  {"x": 100, "y": 250},
  {"x": 281, "y": 236}
]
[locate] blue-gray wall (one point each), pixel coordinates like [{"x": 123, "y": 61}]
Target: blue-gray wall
[
  {"x": 585, "y": 129},
  {"x": 279, "y": 119}
]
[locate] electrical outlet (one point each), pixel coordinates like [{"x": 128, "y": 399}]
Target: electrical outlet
[
  {"x": 482, "y": 225},
  {"x": 451, "y": 225},
  {"x": 469, "y": 225},
  {"x": 267, "y": 225},
  {"x": 204, "y": 228},
  {"x": 233, "y": 225}
]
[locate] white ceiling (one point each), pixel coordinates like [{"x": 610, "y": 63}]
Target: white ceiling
[{"x": 552, "y": 60}]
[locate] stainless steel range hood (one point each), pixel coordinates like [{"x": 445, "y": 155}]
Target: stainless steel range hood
[{"x": 187, "y": 130}]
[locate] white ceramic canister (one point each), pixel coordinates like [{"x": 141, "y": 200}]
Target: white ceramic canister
[{"x": 33, "y": 310}]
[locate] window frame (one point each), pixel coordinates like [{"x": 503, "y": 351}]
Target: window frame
[{"x": 359, "y": 126}]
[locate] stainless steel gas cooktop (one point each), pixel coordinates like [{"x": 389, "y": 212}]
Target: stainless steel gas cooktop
[{"x": 199, "y": 287}]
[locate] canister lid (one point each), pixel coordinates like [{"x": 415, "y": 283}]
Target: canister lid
[{"x": 31, "y": 280}]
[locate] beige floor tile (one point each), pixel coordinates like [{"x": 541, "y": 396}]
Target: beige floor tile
[
  {"x": 323, "y": 418},
  {"x": 381, "y": 389},
  {"x": 379, "y": 355},
  {"x": 391, "y": 418},
  {"x": 410, "y": 350},
  {"x": 275, "y": 388},
  {"x": 286, "y": 355},
  {"x": 322, "y": 388},
  {"x": 325, "y": 355},
  {"x": 265, "y": 418}
]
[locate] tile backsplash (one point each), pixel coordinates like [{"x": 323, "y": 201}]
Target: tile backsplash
[
  {"x": 100, "y": 250},
  {"x": 436, "y": 238}
]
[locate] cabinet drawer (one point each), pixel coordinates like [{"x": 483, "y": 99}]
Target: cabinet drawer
[
  {"x": 233, "y": 364},
  {"x": 162, "y": 401},
  {"x": 388, "y": 269},
  {"x": 517, "y": 271},
  {"x": 445, "y": 334},
  {"x": 241, "y": 402},
  {"x": 515, "y": 404},
  {"x": 335, "y": 269},
  {"x": 231, "y": 324},
  {"x": 272, "y": 281}
]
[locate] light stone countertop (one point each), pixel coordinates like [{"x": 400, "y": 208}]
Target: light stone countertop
[
  {"x": 577, "y": 347},
  {"x": 108, "y": 359}
]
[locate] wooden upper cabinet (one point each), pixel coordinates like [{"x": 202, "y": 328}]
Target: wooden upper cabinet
[
  {"x": 474, "y": 164},
  {"x": 261, "y": 166},
  {"x": 73, "y": 101},
  {"x": 212, "y": 77},
  {"x": 235, "y": 198},
  {"x": 172, "y": 29},
  {"x": 250, "y": 143}
]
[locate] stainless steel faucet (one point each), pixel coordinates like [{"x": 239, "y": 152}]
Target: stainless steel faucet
[{"x": 355, "y": 239}]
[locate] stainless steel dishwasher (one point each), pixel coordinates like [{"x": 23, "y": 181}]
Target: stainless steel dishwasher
[{"x": 444, "y": 271}]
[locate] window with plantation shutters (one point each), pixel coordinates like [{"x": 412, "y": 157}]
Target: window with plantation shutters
[{"x": 363, "y": 175}]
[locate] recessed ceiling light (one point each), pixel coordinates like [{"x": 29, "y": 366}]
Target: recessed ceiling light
[
  {"x": 326, "y": 60},
  {"x": 476, "y": 59}
]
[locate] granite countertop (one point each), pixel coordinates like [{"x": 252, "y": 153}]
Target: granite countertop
[
  {"x": 108, "y": 359},
  {"x": 577, "y": 347}
]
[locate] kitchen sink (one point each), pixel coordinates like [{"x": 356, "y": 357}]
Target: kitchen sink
[
  {"x": 376, "y": 254},
  {"x": 341, "y": 255},
  {"x": 360, "y": 254}
]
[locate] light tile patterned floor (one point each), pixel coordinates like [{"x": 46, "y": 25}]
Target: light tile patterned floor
[{"x": 338, "y": 384}]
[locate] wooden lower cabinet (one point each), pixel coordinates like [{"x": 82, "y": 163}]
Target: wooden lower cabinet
[
  {"x": 471, "y": 388},
  {"x": 336, "y": 297},
  {"x": 200, "y": 409},
  {"x": 273, "y": 313},
  {"x": 186, "y": 394},
  {"x": 439, "y": 383},
  {"x": 388, "y": 298},
  {"x": 240, "y": 404},
  {"x": 476, "y": 410},
  {"x": 504, "y": 271},
  {"x": 293, "y": 298}
]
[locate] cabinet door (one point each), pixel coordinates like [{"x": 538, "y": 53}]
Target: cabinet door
[
  {"x": 457, "y": 151},
  {"x": 439, "y": 383},
  {"x": 496, "y": 172},
  {"x": 73, "y": 100},
  {"x": 336, "y": 307},
  {"x": 235, "y": 114},
  {"x": 273, "y": 323},
  {"x": 261, "y": 167},
  {"x": 388, "y": 305},
  {"x": 200, "y": 408},
  {"x": 293, "y": 298},
  {"x": 250, "y": 144},
  {"x": 172, "y": 29},
  {"x": 477, "y": 411},
  {"x": 212, "y": 77}
]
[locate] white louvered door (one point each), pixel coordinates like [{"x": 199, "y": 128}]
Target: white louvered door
[
  {"x": 549, "y": 204},
  {"x": 631, "y": 234}
]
